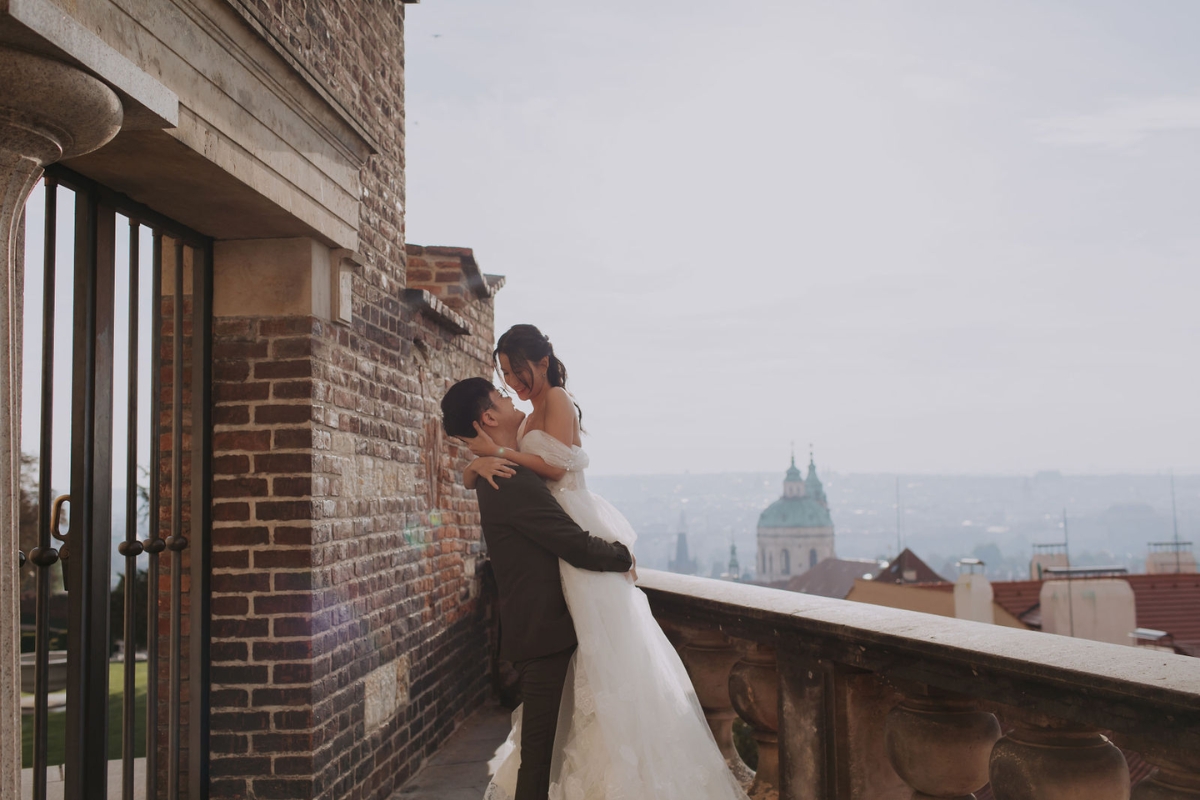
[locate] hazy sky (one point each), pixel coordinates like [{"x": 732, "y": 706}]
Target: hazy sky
[{"x": 927, "y": 237}]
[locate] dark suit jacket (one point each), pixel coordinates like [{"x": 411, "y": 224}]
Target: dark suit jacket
[{"x": 527, "y": 532}]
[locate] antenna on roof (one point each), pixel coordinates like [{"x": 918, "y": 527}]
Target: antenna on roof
[
  {"x": 1175, "y": 522},
  {"x": 1070, "y": 598}
]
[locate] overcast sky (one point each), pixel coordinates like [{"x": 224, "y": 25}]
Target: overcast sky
[{"x": 926, "y": 237}]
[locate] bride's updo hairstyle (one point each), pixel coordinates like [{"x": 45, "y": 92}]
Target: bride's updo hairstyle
[{"x": 525, "y": 345}]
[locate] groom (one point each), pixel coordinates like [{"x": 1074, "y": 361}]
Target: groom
[{"x": 527, "y": 532}]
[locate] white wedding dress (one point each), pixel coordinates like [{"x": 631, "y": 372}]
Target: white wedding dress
[{"x": 630, "y": 727}]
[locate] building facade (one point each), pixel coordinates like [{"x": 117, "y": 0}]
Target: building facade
[
  {"x": 317, "y": 619},
  {"x": 795, "y": 533}
]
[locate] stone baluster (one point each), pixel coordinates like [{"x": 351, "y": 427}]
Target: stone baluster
[
  {"x": 1176, "y": 777},
  {"x": 939, "y": 744},
  {"x": 1044, "y": 759},
  {"x": 709, "y": 657},
  {"x": 49, "y": 111},
  {"x": 754, "y": 690}
]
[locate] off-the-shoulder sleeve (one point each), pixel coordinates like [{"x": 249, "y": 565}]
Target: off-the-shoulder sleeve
[{"x": 569, "y": 457}]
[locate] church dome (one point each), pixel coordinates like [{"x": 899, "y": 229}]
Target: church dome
[{"x": 803, "y": 504}]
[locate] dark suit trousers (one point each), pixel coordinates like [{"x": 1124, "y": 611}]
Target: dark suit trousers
[{"x": 541, "y": 681}]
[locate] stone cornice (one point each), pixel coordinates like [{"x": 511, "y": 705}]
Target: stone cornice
[
  {"x": 355, "y": 142},
  {"x": 428, "y": 304}
]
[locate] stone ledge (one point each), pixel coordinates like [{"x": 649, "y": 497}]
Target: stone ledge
[
  {"x": 1151, "y": 695},
  {"x": 428, "y": 304}
]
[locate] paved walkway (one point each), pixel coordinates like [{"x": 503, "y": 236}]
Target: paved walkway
[{"x": 460, "y": 770}]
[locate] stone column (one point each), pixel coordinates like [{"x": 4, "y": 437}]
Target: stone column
[
  {"x": 754, "y": 690},
  {"x": 939, "y": 744},
  {"x": 709, "y": 657},
  {"x": 1043, "y": 759},
  {"x": 49, "y": 111}
]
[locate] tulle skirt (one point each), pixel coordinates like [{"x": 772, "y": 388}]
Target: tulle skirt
[{"x": 630, "y": 726}]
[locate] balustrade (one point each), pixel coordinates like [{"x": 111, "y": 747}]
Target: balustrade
[{"x": 848, "y": 701}]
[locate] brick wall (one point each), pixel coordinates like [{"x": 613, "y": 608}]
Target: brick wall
[
  {"x": 343, "y": 544},
  {"x": 347, "y": 635}
]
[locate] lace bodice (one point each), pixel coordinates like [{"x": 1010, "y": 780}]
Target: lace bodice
[{"x": 571, "y": 458}]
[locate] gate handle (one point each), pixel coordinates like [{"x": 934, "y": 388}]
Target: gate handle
[{"x": 56, "y": 517}]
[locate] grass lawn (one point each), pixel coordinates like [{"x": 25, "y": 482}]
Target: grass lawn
[{"x": 56, "y": 739}]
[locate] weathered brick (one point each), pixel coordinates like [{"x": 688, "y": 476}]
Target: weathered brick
[
  {"x": 283, "y": 510},
  {"x": 283, "y": 462},
  {"x": 282, "y": 414},
  {"x": 283, "y": 559},
  {"x": 274, "y": 370}
]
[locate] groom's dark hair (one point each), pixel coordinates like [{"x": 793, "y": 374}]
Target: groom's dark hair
[{"x": 464, "y": 405}]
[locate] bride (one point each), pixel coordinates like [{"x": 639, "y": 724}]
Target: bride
[{"x": 630, "y": 726}]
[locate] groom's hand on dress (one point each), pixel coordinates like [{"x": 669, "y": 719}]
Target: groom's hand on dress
[{"x": 491, "y": 467}]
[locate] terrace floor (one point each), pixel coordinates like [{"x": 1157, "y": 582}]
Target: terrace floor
[{"x": 460, "y": 769}]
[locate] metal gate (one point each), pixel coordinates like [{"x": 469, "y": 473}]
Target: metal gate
[{"x": 158, "y": 445}]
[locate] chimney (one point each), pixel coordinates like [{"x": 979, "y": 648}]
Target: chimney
[
  {"x": 1046, "y": 556},
  {"x": 973, "y": 593},
  {"x": 1170, "y": 558},
  {"x": 1089, "y": 603}
]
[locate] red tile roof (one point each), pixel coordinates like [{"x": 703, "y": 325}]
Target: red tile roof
[
  {"x": 1165, "y": 602},
  {"x": 908, "y": 562},
  {"x": 1170, "y": 602}
]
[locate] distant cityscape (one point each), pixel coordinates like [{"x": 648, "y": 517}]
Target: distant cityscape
[{"x": 1111, "y": 519}]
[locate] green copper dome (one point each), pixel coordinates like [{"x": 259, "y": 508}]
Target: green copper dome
[
  {"x": 793, "y": 474},
  {"x": 809, "y": 511},
  {"x": 795, "y": 512}
]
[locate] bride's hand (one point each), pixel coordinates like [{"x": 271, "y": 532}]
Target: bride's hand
[
  {"x": 490, "y": 467},
  {"x": 482, "y": 444}
]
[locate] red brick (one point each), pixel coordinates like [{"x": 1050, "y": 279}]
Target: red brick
[
  {"x": 224, "y": 441},
  {"x": 273, "y": 370},
  {"x": 231, "y": 465},
  {"x": 241, "y": 392},
  {"x": 230, "y": 512},
  {"x": 291, "y": 487},
  {"x": 231, "y": 415},
  {"x": 283, "y": 559},
  {"x": 278, "y": 463},
  {"x": 240, "y": 487},
  {"x": 285, "y": 510},
  {"x": 292, "y": 348},
  {"x": 285, "y": 415},
  {"x": 292, "y": 390},
  {"x": 230, "y": 606},
  {"x": 240, "y": 536},
  {"x": 293, "y": 650},
  {"x": 292, "y": 438},
  {"x": 284, "y": 603},
  {"x": 240, "y": 721}
]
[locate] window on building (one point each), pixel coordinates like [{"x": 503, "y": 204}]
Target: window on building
[
  {"x": 787, "y": 563},
  {"x": 812, "y": 558}
]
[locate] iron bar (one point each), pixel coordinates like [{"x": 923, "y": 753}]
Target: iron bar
[
  {"x": 131, "y": 548},
  {"x": 154, "y": 543},
  {"x": 91, "y": 506},
  {"x": 44, "y": 555},
  {"x": 176, "y": 543},
  {"x": 200, "y": 548}
]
